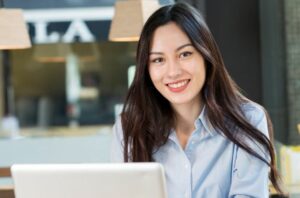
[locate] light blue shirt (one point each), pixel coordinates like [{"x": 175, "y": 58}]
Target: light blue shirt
[{"x": 210, "y": 166}]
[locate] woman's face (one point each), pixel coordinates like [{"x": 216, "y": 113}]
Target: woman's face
[{"x": 176, "y": 68}]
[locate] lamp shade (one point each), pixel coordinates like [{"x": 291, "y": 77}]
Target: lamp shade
[
  {"x": 129, "y": 18},
  {"x": 13, "y": 30}
]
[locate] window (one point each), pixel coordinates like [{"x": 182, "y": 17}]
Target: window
[{"x": 66, "y": 84}]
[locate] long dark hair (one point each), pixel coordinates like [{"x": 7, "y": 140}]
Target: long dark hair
[{"x": 147, "y": 117}]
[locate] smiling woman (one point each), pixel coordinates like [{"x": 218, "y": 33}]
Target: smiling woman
[
  {"x": 177, "y": 71},
  {"x": 184, "y": 111},
  {"x": 176, "y": 68}
]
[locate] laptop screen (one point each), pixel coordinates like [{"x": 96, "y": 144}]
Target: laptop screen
[{"x": 110, "y": 180}]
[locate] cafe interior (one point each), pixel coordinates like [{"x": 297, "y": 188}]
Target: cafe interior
[{"x": 66, "y": 65}]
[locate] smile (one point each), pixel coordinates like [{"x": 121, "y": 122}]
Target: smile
[{"x": 178, "y": 86}]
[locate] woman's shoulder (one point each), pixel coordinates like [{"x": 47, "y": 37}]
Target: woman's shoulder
[
  {"x": 117, "y": 127},
  {"x": 253, "y": 112},
  {"x": 118, "y": 120},
  {"x": 256, "y": 115},
  {"x": 251, "y": 108},
  {"x": 117, "y": 145}
]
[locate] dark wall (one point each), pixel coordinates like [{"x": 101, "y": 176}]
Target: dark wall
[
  {"x": 250, "y": 35},
  {"x": 235, "y": 26},
  {"x": 274, "y": 66}
]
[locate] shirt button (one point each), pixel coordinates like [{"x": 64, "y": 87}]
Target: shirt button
[
  {"x": 186, "y": 166},
  {"x": 193, "y": 142}
]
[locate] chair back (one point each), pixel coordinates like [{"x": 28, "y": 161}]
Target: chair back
[{"x": 6, "y": 191}]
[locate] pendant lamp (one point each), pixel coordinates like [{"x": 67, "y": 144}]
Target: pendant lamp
[
  {"x": 129, "y": 18},
  {"x": 13, "y": 29}
]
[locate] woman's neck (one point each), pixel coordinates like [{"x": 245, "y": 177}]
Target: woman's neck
[{"x": 186, "y": 114}]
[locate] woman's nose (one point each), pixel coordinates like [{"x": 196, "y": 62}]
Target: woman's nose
[{"x": 174, "y": 69}]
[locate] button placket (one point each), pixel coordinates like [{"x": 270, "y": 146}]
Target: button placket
[
  {"x": 188, "y": 174},
  {"x": 186, "y": 194},
  {"x": 186, "y": 166}
]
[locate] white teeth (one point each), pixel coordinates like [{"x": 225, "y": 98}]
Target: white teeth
[{"x": 177, "y": 85}]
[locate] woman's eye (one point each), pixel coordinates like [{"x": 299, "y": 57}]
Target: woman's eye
[
  {"x": 157, "y": 60},
  {"x": 185, "y": 54}
]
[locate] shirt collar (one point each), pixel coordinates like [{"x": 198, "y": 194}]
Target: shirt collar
[{"x": 201, "y": 120}]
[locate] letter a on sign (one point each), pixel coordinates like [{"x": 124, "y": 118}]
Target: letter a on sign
[{"x": 80, "y": 29}]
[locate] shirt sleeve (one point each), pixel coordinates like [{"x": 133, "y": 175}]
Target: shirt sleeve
[
  {"x": 250, "y": 174},
  {"x": 116, "y": 154}
]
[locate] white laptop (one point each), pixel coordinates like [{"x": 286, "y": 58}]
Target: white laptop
[{"x": 121, "y": 180}]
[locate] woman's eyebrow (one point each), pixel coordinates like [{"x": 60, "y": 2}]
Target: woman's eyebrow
[
  {"x": 157, "y": 53},
  {"x": 183, "y": 46},
  {"x": 177, "y": 49}
]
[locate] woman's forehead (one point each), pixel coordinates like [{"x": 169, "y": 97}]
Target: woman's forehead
[{"x": 168, "y": 36}]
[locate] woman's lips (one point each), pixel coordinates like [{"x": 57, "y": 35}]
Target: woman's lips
[{"x": 178, "y": 86}]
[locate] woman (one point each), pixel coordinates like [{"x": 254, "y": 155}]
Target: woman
[{"x": 184, "y": 111}]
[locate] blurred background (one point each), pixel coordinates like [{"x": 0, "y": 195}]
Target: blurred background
[{"x": 60, "y": 97}]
